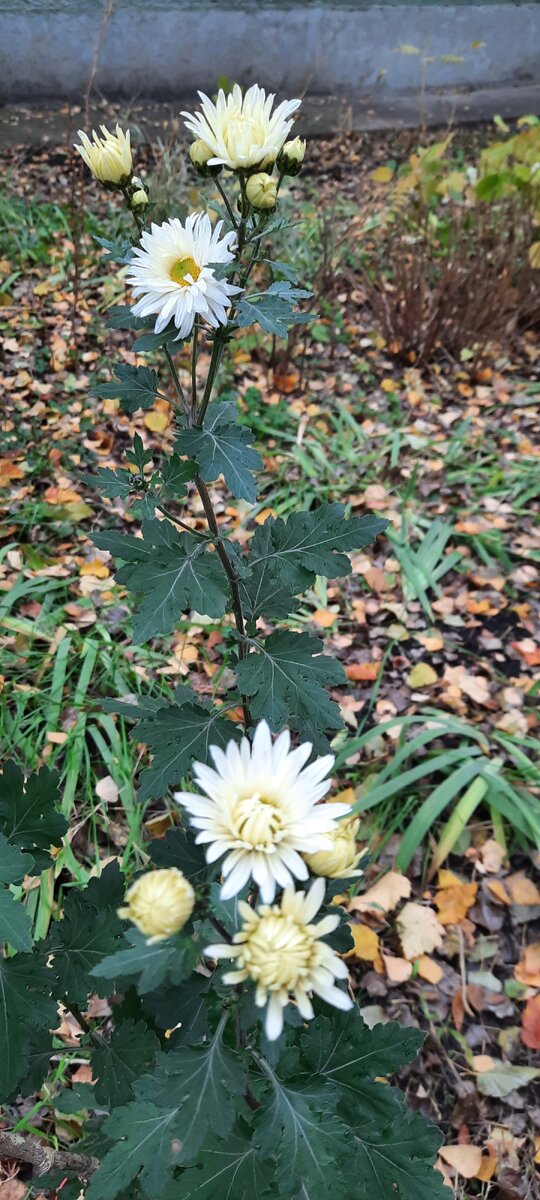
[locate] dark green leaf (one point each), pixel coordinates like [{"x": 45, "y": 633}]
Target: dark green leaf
[
  {"x": 175, "y": 472},
  {"x": 116, "y": 1064},
  {"x": 14, "y": 865},
  {"x": 306, "y": 1136},
  {"x": 27, "y": 811},
  {"x": 177, "y": 735},
  {"x": 135, "y": 387},
  {"x": 172, "y": 959},
  {"x": 171, "y": 571},
  {"x": 312, "y": 541},
  {"x": 178, "y": 849},
  {"x": 26, "y": 1006},
  {"x": 88, "y": 931},
  {"x": 230, "y": 1170},
  {"x": 201, "y": 1082},
  {"x": 222, "y": 447},
  {"x": 343, "y": 1049},
  {"x": 154, "y": 341},
  {"x": 146, "y": 1146},
  {"x": 184, "y": 1005},
  {"x": 273, "y": 310},
  {"x": 120, "y": 316},
  {"x": 15, "y": 923},
  {"x": 110, "y": 483},
  {"x": 287, "y": 678},
  {"x": 77, "y": 1100},
  {"x": 396, "y": 1161},
  {"x": 118, "y": 251}
]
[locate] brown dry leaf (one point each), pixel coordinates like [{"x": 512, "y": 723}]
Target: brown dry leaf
[
  {"x": 107, "y": 790},
  {"x": 497, "y": 889},
  {"x": 13, "y": 1189},
  {"x": 466, "y": 1160},
  {"x": 398, "y": 970},
  {"x": 60, "y": 495},
  {"x": 483, "y": 1062},
  {"x": 522, "y": 889},
  {"x": 454, "y": 899},
  {"x": 528, "y": 969},
  {"x": 492, "y": 857},
  {"x": 384, "y": 896},
  {"x": 429, "y": 970},
  {"x": 286, "y": 381},
  {"x": 530, "y": 1023},
  {"x": 9, "y": 471},
  {"x": 419, "y": 930},
  {"x": 363, "y": 672},
  {"x": 366, "y": 943},
  {"x": 488, "y": 1166},
  {"x": 476, "y": 687}
]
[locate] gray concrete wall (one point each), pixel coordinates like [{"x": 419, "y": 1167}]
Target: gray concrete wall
[{"x": 168, "y": 50}]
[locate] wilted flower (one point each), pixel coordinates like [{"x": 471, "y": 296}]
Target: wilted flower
[
  {"x": 108, "y": 156},
  {"x": 159, "y": 903},
  {"x": 261, "y": 810},
  {"x": 242, "y": 131},
  {"x": 171, "y": 273},
  {"x": 291, "y": 157},
  {"x": 261, "y": 190},
  {"x": 280, "y": 949},
  {"x": 341, "y": 861}
]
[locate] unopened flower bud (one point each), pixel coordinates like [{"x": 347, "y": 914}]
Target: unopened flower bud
[
  {"x": 342, "y": 859},
  {"x": 159, "y": 903},
  {"x": 261, "y": 190},
  {"x": 291, "y": 157},
  {"x": 139, "y": 198},
  {"x": 108, "y": 156},
  {"x": 199, "y": 154}
]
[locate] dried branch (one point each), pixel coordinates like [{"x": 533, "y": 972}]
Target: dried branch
[{"x": 44, "y": 1158}]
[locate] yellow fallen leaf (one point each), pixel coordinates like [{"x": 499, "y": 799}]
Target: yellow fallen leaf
[
  {"x": 466, "y": 1160},
  {"x": 382, "y": 175},
  {"x": 454, "y": 902},
  {"x": 429, "y": 970},
  {"x": 522, "y": 889},
  {"x": 534, "y": 255},
  {"x": 95, "y": 567},
  {"x": 42, "y": 289},
  {"x": 422, "y": 675},
  {"x": 487, "y": 1167},
  {"x": 497, "y": 889},
  {"x": 384, "y": 896},
  {"x": 156, "y": 422},
  {"x": 419, "y": 930},
  {"x": 366, "y": 943}
]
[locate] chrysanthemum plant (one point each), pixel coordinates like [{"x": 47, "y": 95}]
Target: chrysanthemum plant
[{"x": 228, "y": 1055}]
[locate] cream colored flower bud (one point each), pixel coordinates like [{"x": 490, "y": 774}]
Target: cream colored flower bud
[
  {"x": 108, "y": 156},
  {"x": 159, "y": 903},
  {"x": 291, "y": 157},
  {"x": 342, "y": 859},
  {"x": 139, "y": 198},
  {"x": 261, "y": 190},
  {"x": 199, "y": 154}
]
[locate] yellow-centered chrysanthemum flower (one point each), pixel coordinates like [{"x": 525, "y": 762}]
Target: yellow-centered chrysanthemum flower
[
  {"x": 108, "y": 156},
  {"x": 159, "y": 903},
  {"x": 261, "y": 190},
  {"x": 171, "y": 274},
  {"x": 261, "y": 811},
  {"x": 282, "y": 952},
  {"x": 242, "y": 131},
  {"x": 342, "y": 860}
]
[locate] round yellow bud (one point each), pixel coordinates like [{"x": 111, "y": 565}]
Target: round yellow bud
[
  {"x": 343, "y": 858},
  {"x": 291, "y": 157},
  {"x": 261, "y": 190},
  {"x": 139, "y": 198},
  {"x": 159, "y": 903},
  {"x": 199, "y": 154}
]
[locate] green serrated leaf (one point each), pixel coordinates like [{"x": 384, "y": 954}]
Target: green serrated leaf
[
  {"x": 110, "y": 483},
  {"x": 135, "y": 387},
  {"x": 145, "y": 1148},
  {"x": 119, "y": 251},
  {"x": 26, "y": 1006},
  {"x": 175, "y": 472},
  {"x": 14, "y": 865},
  {"x": 184, "y": 1005},
  {"x": 397, "y": 1160},
  {"x": 272, "y": 310},
  {"x": 172, "y": 959},
  {"x": 201, "y": 1082},
  {"x": 15, "y": 923},
  {"x": 222, "y": 447},
  {"x": 171, "y": 571},
  {"x": 178, "y": 849},
  {"x": 118, "y": 1063},
  {"x": 88, "y": 931},
  {"x": 229, "y": 1170},
  {"x": 27, "y": 810},
  {"x": 343, "y": 1049},
  {"x": 177, "y": 735},
  {"x": 313, "y": 541},
  {"x": 287, "y": 677}
]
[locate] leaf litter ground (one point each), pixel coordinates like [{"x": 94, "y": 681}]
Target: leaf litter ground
[{"x": 440, "y": 618}]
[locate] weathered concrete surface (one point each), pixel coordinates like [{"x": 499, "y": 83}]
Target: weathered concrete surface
[
  {"x": 57, "y": 124},
  {"x": 343, "y": 49}
]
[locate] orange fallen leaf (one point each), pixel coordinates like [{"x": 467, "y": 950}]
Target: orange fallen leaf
[
  {"x": 363, "y": 672},
  {"x": 286, "y": 381},
  {"x": 466, "y": 1160},
  {"x": 8, "y": 471},
  {"x": 384, "y": 895},
  {"x": 530, "y": 1023},
  {"x": 323, "y": 617},
  {"x": 366, "y": 943},
  {"x": 522, "y": 889},
  {"x": 60, "y": 495},
  {"x": 96, "y": 567},
  {"x": 397, "y": 969},
  {"x": 488, "y": 1166},
  {"x": 497, "y": 889},
  {"x": 528, "y": 650},
  {"x": 454, "y": 898},
  {"x": 528, "y": 969},
  {"x": 429, "y": 970}
]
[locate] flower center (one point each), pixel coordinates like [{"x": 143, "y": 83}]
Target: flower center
[
  {"x": 279, "y": 952},
  {"x": 183, "y": 267},
  {"x": 257, "y": 822}
]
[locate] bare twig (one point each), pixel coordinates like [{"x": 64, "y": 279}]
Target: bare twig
[{"x": 43, "y": 1158}]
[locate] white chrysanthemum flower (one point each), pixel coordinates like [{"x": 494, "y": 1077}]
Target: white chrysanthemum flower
[
  {"x": 172, "y": 275},
  {"x": 280, "y": 949},
  {"x": 261, "y": 810},
  {"x": 159, "y": 903},
  {"x": 108, "y": 156},
  {"x": 242, "y": 131}
]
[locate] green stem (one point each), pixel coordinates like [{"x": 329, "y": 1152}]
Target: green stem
[
  {"x": 171, "y": 517},
  {"x": 217, "y": 351},
  {"x": 176, "y": 380},
  {"x": 225, "y": 199},
  {"x": 194, "y": 356}
]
